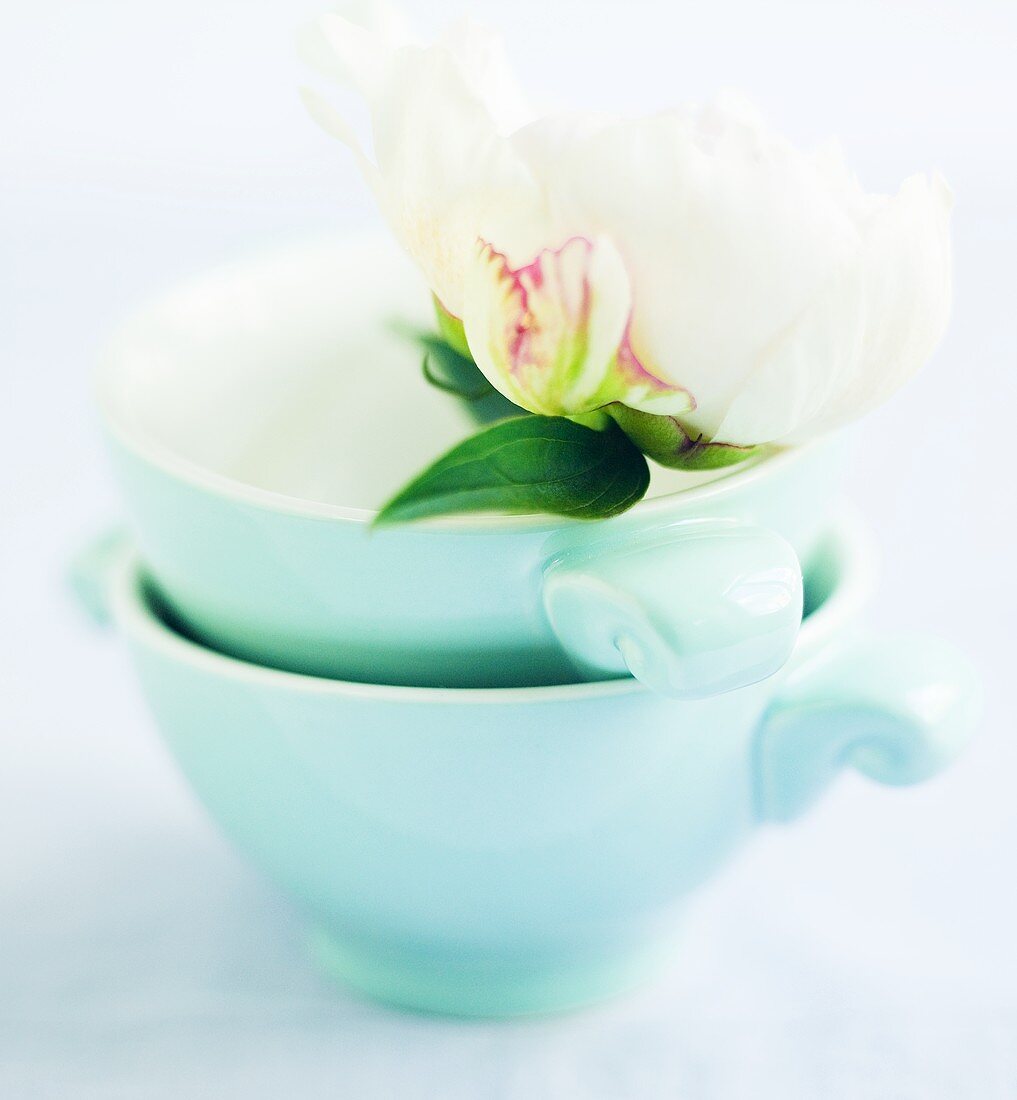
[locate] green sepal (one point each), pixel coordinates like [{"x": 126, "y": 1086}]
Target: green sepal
[
  {"x": 529, "y": 464},
  {"x": 663, "y": 439},
  {"x": 452, "y": 331},
  {"x": 597, "y": 419}
]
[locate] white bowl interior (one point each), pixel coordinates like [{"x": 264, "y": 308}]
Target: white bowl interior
[{"x": 287, "y": 373}]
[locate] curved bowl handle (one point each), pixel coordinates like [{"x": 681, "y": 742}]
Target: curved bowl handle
[
  {"x": 897, "y": 709},
  {"x": 692, "y": 610},
  {"x": 90, "y": 571}
]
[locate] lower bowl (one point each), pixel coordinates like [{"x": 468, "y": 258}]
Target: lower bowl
[{"x": 510, "y": 851}]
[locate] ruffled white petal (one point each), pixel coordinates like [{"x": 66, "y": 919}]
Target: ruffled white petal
[
  {"x": 355, "y": 49},
  {"x": 445, "y": 171},
  {"x": 906, "y": 281},
  {"x": 725, "y": 239},
  {"x": 784, "y": 388}
]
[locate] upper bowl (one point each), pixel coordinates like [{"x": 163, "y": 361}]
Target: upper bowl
[{"x": 257, "y": 417}]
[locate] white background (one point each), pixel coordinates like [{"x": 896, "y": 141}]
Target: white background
[{"x": 868, "y": 952}]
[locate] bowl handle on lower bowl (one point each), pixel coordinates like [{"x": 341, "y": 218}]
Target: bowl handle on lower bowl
[
  {"x": 896, "y": 709},
  {"x": 90, "y": 571},
  {"x": 692, "y": 609}
]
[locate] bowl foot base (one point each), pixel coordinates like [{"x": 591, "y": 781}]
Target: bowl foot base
[{"x": 421, "y": 981}]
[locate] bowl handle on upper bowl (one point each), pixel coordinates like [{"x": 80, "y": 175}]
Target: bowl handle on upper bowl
[
  {"x": 692, "y": 609},
  {"x": 897, "y": 709},
  {"x": 90, "y": 571}
]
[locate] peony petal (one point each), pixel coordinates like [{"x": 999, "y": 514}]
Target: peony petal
[
  {"x": 444, "y": 171},
  {"x": 906, "y": 278},
  {"x": 354, "y": 49},
  {"x": 725, "y": 237},
  {"x": 795, "y": 376},
  {"x": 867, "y": 331},
  {"x": 546, "y": 334},
  {"x": 481, "y": 58},
  {"x": 552, "y": 335}
]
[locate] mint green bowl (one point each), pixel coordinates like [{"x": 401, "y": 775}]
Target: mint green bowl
[
  {"x": 507, "y": 851},
  {"x": 257, "y": 417}
]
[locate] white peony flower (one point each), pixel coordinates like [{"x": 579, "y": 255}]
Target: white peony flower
[{"x": 689, "y": 264}]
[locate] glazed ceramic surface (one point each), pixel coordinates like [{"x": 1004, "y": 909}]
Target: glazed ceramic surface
[
  {"x": 513, "y": 851},
  {"x": 258, "y": 416}
]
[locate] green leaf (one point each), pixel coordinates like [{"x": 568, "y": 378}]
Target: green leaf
[
  {"x": 524, "y": 465},
  {"x": 663, "y": 439},
  {"x": 446, "y": 369}
]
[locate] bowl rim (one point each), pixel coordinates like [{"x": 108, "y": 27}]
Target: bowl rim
[
  {"x": 144, "y": 446},
  {"x": 848, "y": 537}
]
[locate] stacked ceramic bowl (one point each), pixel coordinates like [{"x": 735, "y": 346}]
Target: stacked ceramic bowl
[{"x": 492, "y": 757}]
